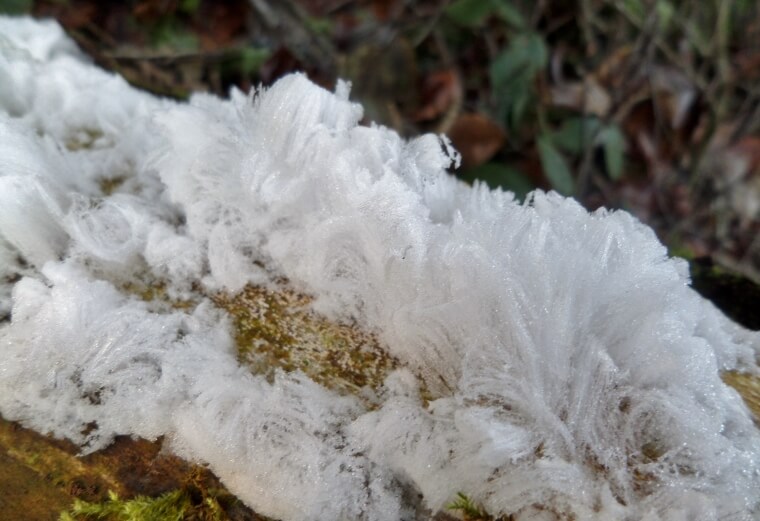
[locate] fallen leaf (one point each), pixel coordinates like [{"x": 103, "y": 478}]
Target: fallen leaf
[
  {"x": 674, "y": 94},
  {"x": 385, "y": 10},
  {"x": 439, "y": 91},
  {"x": 749, "y": 147},
  {"x": 588, "y": 97},
  {"x": 611, "y": 72},
  {"x": 736, "y": 174},
  {"x": 476, "y": 137},
  {"x": 747, "y": 62}
]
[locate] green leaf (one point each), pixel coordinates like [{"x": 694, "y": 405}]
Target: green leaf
[
  {"x": 319, "y": 25},
  {"x": 15, "y": 6},
  {"x": 635, "y": 9},
  {"x": 513, "y": 73},
  {"x": 742, "y": 6},
  {"x": 171, "y": 35},
  {"x": 613, "y": 142},
  {"x": 189, "y": 6},
  {"x": 504, "y": 68},
  {"x": 521, "y": 96},
  {"x": 576, "y": 134},
  {"x": 252, "y": 58},
  {"x": 499, "y": 175},
  {"x": 525, "y": 55},
  {"x": 474, "y": 13},
  {"x": 665, "y": 12},
  {"x": 471, "y": 12},
  {"x": 510, "y": 14},
  {"x": 555, "y": 167},
  {"x": 697, "y": 37}
]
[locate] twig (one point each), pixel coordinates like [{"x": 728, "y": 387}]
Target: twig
[
  {"x": 430, "y": 25},
  {"x": 722, "y": 35},
  {"x": 699, "y": 149},
  {"x": 443, "y": 48},
  {"x": 142, "y": 73},
  {"x": 727, "y": 259},
  {"x": 584, "y": 171},
  {"x": 586, "y": 22},
  {"x": 643, "y": 50},
  {"x": 641, "y": 57},
  {"x": 286, "y": 21},
  {"x": 668, "y": 52},
  {"x": 751, "y": 116}
]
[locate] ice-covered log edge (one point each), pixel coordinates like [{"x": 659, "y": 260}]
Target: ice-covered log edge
[{"x": 569, "y": 364}]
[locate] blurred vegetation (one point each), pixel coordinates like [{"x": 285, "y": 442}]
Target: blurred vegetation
[{"x": 652, "y": 106}]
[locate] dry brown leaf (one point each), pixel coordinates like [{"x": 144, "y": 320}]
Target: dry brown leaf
[
  {"x": 385, "y": 10},
  {"x": 742, "y": 161},
  {"x": 676, "y": 96},
  {"x": 747, "y": 63},
  {"x": 749, "y": 147},
  {"x": 221, "y": 23},
  {"x": 476, "y": 137},
  {"x": 611, "y": 71},
  {"x": 439, "y": 91},
  {"x": 586, "y": 96},
  {"x": 662, "y": 118}
]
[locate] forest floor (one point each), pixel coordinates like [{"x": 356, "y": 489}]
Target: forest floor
[{"x": 652, "y": 106}]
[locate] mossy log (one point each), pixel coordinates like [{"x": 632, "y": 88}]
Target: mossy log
[{"x": 43, "y": 478}]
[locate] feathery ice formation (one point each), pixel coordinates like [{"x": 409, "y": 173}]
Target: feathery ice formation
[{"x": 543, "y": 360}]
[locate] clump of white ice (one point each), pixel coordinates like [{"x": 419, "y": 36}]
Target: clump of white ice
[{"x": 570, "y": 364}]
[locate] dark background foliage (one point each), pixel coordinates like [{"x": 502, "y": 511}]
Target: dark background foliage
[{"x": 652, "y": 106}]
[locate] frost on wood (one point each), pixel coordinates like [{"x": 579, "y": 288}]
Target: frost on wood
[{"x": 524, "y": 354}]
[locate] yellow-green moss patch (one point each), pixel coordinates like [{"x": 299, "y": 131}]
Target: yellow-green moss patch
[
  {"x": 154, "y": 290},
  {"x": 109, "y": 185},
  {"x": 83, "y": 139},
  {"x": 25, "y": 494},
  {"x": 748, "y": 386},
  {"x": 277, "y": 329}
]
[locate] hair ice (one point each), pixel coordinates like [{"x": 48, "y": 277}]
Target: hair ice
[{"x": 566, "y": 362}]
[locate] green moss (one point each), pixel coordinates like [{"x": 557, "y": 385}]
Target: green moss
[
  {"x": 55, "y": 463},
  {"x": 109, "y": 185},
  {"x": 83, "y": 139},
  {"x": 25, "y": 494},
  {"x": 171, "y": 506},
  {"x": 471, "y": 511},
  {"x": 276, "y": 329},
  {"x": 154, "y": 290},
  {"x": 41, "y": 476},
  {"x": 196, "y": 499}
]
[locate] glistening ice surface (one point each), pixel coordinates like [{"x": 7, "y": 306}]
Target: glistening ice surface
[{"x": 549, "y": 362}]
